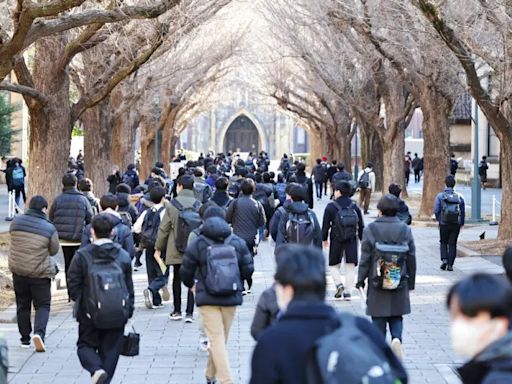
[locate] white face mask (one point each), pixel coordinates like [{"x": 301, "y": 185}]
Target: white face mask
[{"x": 470, "y": 338}]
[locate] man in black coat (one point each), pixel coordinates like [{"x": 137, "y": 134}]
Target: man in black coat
[
  {"x": 319, "y": 173},
  {"x": 300, "y": 178},
  {"x": 217, "y": 312}
]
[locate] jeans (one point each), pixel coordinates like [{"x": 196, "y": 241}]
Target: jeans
[
  {"x": 396, "y": 326},
  {"x": 99, "y": 348},
  {"x": 449, "y": 233},
  {"x": 156, "y": 279},
  {"x": 176, "y": 292},
  {"x": 318, "y": 187},
  {"x": 28, "y": 291},
  {"x": 217, "y": 323}
]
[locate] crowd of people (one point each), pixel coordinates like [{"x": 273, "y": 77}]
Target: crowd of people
[{"x": 202, "y": 228}]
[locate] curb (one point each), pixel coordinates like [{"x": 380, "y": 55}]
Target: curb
[
  {"x": 8, "y": 315},
  {"x": 463, "y": 251}
]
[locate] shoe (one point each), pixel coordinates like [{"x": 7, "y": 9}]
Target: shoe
[
  {"x": 148, "y": 299},
  {"x": 211, "y": 381},
  {"x": 204, "y": 344},
  {"x": 347, "y": 296},
  {"x": 246, "y": 292},
  {"x": 158, "y": 306},
  {"x": 176, "y": 316},
  {"x": 38, "y": 343},
  {"x": 339, "y": 291},
  {"x": 444, "y": 265},
  {"x": 366, "y": 213},
  {"x": 25, "y": 344},
  {"x": 166, "y": 295},
  {"x": 189, "y": 319},
  {"x": 135, "y": 269},
  {"x": 396, "y": 347},
  {"x": 99, "y": 377},
  {"x": 449, "y": 268},
  {"x": 137, "y": 264}
]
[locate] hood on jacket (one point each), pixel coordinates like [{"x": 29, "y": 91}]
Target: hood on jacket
[
  {"x": 216, "y": 228},
  {"x": 123, "y": 198},
  {"x": 310, "y": 308},
  {"x": 297, "y": 207},
  {"x": 105, "y": 250},
  {"x": 71, "y": 191},
  {"x": 115, "y": 218}
]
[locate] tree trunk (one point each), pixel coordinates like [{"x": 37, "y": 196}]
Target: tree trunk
[
  {"x": 393, "y": 160},
  {"x": 371, "y": 151},
  {"x": 505, "y": 228},
  {"x": 123, "y": 141},
  {"x": 315, "y": 147}
]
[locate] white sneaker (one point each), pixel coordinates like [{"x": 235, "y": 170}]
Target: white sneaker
[
  {"x": 25, "y": 345},
  {"x": 38, "y": 343},
  {"x": 148, "y": 299},
  {"x": 99, "y": 377},
  {"x": 396, "y": 347},
  {"x": 204, "y": 344}
]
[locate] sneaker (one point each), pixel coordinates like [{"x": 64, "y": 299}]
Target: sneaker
[
  {"x": 176, "y": 316},
  {"x": 204, "y": 344},
  {"x": 166, "y": 295},
  {"x": 148, "y": 299},
  {"x": 396, "y": 347},
  {"x": 246, "y": 292},
  {"x": 137, "y": 264},
  {"x": 135, "y": 269},
  {"x": 444, "y": 265},
  {"x": 25, "y": 344},
  {"x": 347, "y": 296},
  {"x": 99, "y": 377},
  {"x": 449, "y": 268},
  {"x": 158, "y": 306},
  {"x": 339, "y": 291},
  {"x": 211, "y": 381},
  {"x": 38, "y": 343},
  {"x": 189, "y": 319}
]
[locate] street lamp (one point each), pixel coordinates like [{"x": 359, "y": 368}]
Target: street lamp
[
  {"x": 476, "y": 198},
  {"x": 356, "y": 163}
]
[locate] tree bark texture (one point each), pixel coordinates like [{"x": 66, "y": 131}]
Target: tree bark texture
[
  {"x": 393, "y": 160},
  {"x": 371, "y": 151},
  {"x": 505, "y": 228}
]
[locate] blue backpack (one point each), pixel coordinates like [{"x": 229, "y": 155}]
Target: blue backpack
[{"x": 18, "y": 176}]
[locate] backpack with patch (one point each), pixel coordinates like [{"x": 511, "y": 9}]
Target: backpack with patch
[
  {"x": 150, "y": 226},
  {"x": 106, "y": 296},
  {"x": 129, "y": 178},
  {"x": 345, "y": 223},
  {"x": 390, "y": 261},
  {"x": 17, "y": 177},
  {"x": 202, "y": 192},
  {"x": 330, "y": 361},
  {"x": 364, "y": 180},
  {"x": 188, "y": 220},
  {"x": 126, "y": 218},
  {"x": 300, "y": 228},
  {"x": 222, "y": 270},
  {"x": 450, "y": 211}
]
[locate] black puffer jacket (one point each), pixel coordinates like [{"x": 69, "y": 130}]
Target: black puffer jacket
[
  {"x": 70, "y": 213},
  {"x": 126, "y": 206},
  {"x": 247, "y": 216},
  {"x": 194, "y": 262}
]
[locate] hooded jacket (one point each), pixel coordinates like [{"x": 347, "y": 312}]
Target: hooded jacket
[
  {"x": 298, "y": 207},
  {"x": 194, "y": 262},
  {"x": 276, "y": 218},
  {"x": 221, "y": 198},
  {"x": 126, "y": 206},
  {"x": 491, "y": 366}
]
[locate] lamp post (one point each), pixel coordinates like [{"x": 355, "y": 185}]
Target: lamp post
[
  {"x": 476, "y": 197},
  {"x": 356, "y": 163}
]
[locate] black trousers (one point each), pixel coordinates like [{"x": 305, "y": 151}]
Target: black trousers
[
  {"x": 28, "y": 291},
  {"x": 176, "y": 292},
  {"x": 99, "y": 348},
  {"x": 417, "y": 176},
  {"x": 69, "y": 252},
  {"x": 449, "y": 234}
]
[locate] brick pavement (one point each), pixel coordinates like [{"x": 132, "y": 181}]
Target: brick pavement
[{"x": 170, "y": 351}]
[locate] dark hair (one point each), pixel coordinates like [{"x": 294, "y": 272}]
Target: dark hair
[
  {"x": 209, "y": 210},
  {"x": 123, "y": 188},
  {"x": 69, "y": 180},
  {"x": 85, "y": 185},
  {"x": 280, "y": 178},
  {"x": 182, "y": 171},
  {"x": 340, "y": 167},
  {"x": 290, "y": 186},
  {"x": 156, "y": 171},
  {"x": 334, "y": 162},
  {"x": 318, "y": 161},
  {"x": 186, "y": 181},
  {"x": 109, "y": 201},
  {"x": 344, "y": 187},
  {"x": 449, "y": 181},
  {"x": 243, "y": 172},
  {"x": 297, "y": 193},
  {"x": 157, "y": 194},
  {"x": 247, "y": 186},
  {"x": 156, "y": 181},
  {"x": 301, "y": 168},
  {"x": 221, "y": 183},
  {"x": 131, "y": 166},
  {"x": 388, "y": 205},
  {"x": 258, "y": 178},
  {"x": 285, "y": 156},
  {"x": 212, "y": 169},
  {"x": 159, "y": 164},
  {"x": 303, "y": 268},
  {"x": 507, "y": 262},
  {"x": 484, "y": 157},
  {"x": 395, "y": 189},
  {"x": 102, "y": 226},
  {"x": 266, "y": 177},
  {"x": 198, "y": 172},
  {"x": 38, "y": 203},
  {"x": 482, "y": 292},
  {"x": 369, "y": 165}
]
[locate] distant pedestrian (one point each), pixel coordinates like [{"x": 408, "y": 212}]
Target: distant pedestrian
[
  {"x": 102, "y": 309},
  {"x": 86, "y": 187},
  {"x": 131, "y": 177},
  {"x": 403, "y": 210},
  {"x": 366, "y": 185},
  {"x": 114, "y": 179},
  {"x": 34, "y": 242},
  {"x": 123, "y": 192},
  {"x": 407, "y": 168},
  {"x": 221, "y": 197},
  {"x": 15, "y": 178},
  {"x": 339, "y": 176},
  {"x": 305, "y": 182},
  {"x": 320, "y": 176},
  {"x": 482, "y": 172},
  {"x": 388, "y": 263},
  {"x": 449, "y": 209},
  {"x": 416, "y": 166},
  {"x": 454, "y": 165}
]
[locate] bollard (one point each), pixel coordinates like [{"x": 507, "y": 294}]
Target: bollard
[{"x": 493, "y": 221}]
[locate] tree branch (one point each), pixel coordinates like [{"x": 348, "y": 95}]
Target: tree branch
[{"x": 24, "y": 90}]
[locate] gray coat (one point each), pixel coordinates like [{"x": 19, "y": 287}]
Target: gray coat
[{"x": 383, "y": 303}]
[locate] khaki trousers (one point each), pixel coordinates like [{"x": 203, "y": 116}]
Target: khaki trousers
[
  {"x": 364, "y": 198},
  {"x": 217, "y": 322}
]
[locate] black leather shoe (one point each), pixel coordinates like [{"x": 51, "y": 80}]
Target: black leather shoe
[
  {"x": 443, "y": 266},
  {"x": 449, "y": 268}
]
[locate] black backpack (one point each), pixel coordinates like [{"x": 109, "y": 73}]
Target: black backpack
[
  {"x": 106, "y": 296},
  {"x": 364, "y": 181},
  {"x": 188, "y": 220},
  {"x": 150, "y": 228},
  {"x": 349, "y": 356},
  {"x": 126, "y": 218},
  {"x": 129, "y": 178},
  {"x": 300, "y": 228},
  {"x": 390, "y": 261},
  {"x": 345, "y": 223},
  {"x": 234, "y": 188},
  {"x": 222, "y": 270},
  {"x": 450, "y": 212},
  {"x": 202, "y": 192}
]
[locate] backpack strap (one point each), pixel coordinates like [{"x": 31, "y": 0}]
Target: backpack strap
[
  {"x": 177, "y": 205},
  {"x": 197, "y": 205},
  {"x": 377, "y": 234}
]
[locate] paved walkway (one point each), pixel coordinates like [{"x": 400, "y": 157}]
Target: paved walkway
[{"x": 170, "y": 351}]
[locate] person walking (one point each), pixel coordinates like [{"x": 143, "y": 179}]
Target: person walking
[
  {"x": 246, "y": 215},
  {"x": 86, "y": 187},
  {"x": 114, "y": 179},
  {"x": 320, "y": 176},
  {"x": 416, "y": 167},
  {"x": 34, "y": 242},
  {"x": 449, "y": 209},
  {"x": 300, "y": 178},
  {"x": 15, "y": 178},
  {"x": 343, "y": 224},
  {"x": 123, "y": 192},
  {"x": 482, "y": 172},
  {"x": 180, "y": 218},
  {"x": 70, "y": 213},
  {"x": 217, "y": 252},
  {"x": 366, "y": 185},
  {"x": 454, "y": 165},
  {"x": 403, "y": 210},
  {"x": 388, "y": 263},
  {"x": 101, "y": 327},
  {"x": 131, "y": 177}
]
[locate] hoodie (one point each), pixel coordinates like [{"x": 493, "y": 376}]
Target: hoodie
[
  {"x": 126, "y": 206},
  {"x": 298, "y": 207},
  {"x": 194, "y": 265}
]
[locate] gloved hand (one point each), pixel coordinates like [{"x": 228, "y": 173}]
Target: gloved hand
[{"x": 360, "y": 285}]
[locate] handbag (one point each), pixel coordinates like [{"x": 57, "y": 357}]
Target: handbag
[{"x": 130, "y": 345}]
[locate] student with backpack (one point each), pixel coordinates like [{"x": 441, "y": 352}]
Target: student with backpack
[
  {"x": 310, "y": 338},
  {"x": 85, "y": 186},
  {"x": 15, "y": 177},
  {"x": 216, "y": 263},
  {"x": 388, "y": 263},
  {"x": 180, "y": 218},
  {"x": 343, "y": 224},
  {"x": 221, "y": 197},
  {"x": 366, "y": 185},
  {"x": 278, "y": 214},
  {"x": 202, "y": 190},
  {"x": 131, "y": 177},
  {"x": 123, "y": 192},
  {"x": 298, "y": 224},
  {"x": 449, "y": 209},
  {"x": 339, "y": 176},
  {"x": 319, "y": 173},
  {"x": 300, "y": 178},
  {"x": 100, "y": 283},
  {"x": 403, "y": 210}
]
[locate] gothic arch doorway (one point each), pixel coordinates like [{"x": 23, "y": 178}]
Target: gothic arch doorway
[{"x": 242, "y": 135}]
